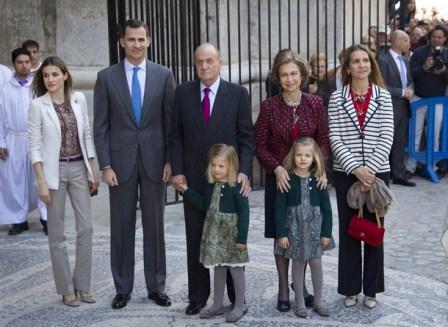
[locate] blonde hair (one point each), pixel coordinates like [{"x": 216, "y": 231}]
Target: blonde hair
[
  {"x": 228, "y": 153},
  {"x": 285, "y": 57},
  {"x": 318, "y": 165}
]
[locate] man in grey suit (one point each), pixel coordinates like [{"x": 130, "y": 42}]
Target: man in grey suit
[
  {"x": 228, "y": 120},
  {"x": 132, "y": 115},
  {"x": 397, "y": 77}
]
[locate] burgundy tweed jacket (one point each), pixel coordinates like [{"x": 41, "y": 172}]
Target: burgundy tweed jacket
[{"x": 273, "y": 128}]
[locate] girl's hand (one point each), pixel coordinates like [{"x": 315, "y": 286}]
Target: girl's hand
[
  {"x": 283, "y": 242},
  {"x": 282, "y": 179},
  {"x": 322, "y": 181},
  {"x": 44, "y": 192},
  {"x": 183, "y": 187},
  {"x": 325, "y": 242},
  {"x": 240, "y": 247}
]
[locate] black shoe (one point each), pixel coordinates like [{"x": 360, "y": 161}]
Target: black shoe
[
  {"x": 309, "y": 299},
  {"x": 120, "y": 301},
  {"x": 160, "y": 298},
  {"x": 193, "y": 308},
  {"x": 44, "y": 226},
  {"x": 404, "y": 182},
  {"x": 283, "y": 306},
  {"x": 18, "y": 228}
]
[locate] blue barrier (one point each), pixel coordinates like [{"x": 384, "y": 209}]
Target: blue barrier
[{"x": 429, "y": 157}]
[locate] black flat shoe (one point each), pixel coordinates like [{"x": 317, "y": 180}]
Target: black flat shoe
[
  {"x": 193, "y": 308},
  {"x": 17, "y": 229},
  {"x": 160, "y": 298},
  {"x": 309, "y": 299},
  {"x": 283, "y": 306},
  {"x": 120, "y": 301}
]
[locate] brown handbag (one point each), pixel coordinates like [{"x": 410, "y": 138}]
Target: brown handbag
[{"x": 365, "y": 230}]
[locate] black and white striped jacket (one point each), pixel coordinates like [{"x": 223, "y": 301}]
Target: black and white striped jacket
[{"x": 353, "y": 147}]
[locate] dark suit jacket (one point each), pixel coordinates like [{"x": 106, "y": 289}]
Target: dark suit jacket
[
  {"x": 191, "y": 139},
  {"x": 391, "y": 76},
  {"x": 118, "y": 139}
]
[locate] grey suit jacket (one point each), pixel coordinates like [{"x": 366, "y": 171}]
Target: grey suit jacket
[
  {"x": 117, "y": 137},
  {"x": 391, "y": 76}
]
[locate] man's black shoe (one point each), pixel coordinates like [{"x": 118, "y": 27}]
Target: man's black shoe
[
  {"x": 404, "y": 182},
  {"x": 18, "y": 228},
  {"x": 120, "y": 301},
  {"x": 193, "y": 308},
  {"x": 160, "y": 298}
]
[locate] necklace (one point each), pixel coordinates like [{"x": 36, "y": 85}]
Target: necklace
[
  {"x": 292, "y": 103},
  {"x": 359, "y": 101}
]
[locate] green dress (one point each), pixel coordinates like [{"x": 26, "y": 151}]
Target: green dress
[{"x": 218, "y": 236}]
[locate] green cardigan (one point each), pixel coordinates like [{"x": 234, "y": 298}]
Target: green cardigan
[
  {"x": 318, "y": 198},
  {"x": 231, "y": 202}
]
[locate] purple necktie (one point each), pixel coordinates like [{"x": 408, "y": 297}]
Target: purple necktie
[{"x": 206, "y": 106}]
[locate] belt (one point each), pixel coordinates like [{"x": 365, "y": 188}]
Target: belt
[{"x": 70, "y": 159}]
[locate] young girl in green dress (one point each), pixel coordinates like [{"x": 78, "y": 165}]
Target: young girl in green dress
[
  {"x": 224, "y": 236},
  {"x": 304, "y": 221}
]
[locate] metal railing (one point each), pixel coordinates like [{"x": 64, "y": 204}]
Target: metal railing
[{"x": 430, "y": 156}]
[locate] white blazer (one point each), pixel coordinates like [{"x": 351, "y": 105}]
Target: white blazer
[
  {"x": 369, "y": 146},
  {"x": 44, "y": 135}
]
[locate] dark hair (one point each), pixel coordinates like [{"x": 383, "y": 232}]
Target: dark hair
[
  {"x": 39, "y": 88},
  {"x": 133, "y": 23},
  {"x": 375, "y": 74},
  {"x": 286, "y": 57},
  {"x": 18, "y": 52},
  {"x": 31, "y": 44},
  {"x": 438, "y": 28}
]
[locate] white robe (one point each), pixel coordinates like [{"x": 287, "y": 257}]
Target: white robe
[
  {"x": 5, "y": 74},
  {"x": 18, "y": 193}
]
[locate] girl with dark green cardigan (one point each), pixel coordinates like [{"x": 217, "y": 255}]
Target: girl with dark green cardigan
[
  {"x": 224, "y": 236},
  {"x": 304, "y": 221}
]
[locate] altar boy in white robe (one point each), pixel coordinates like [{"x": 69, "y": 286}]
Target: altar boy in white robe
[{"x": 18, "y": 194}]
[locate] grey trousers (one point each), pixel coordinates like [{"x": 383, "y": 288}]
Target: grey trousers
[{"x": 72, "y": 180}]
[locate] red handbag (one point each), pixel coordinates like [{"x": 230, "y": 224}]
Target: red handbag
[{"x": 365, "y": 230}]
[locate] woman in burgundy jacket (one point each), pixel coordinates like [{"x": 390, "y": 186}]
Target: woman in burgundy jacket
[{"x": 283, "y": 119}]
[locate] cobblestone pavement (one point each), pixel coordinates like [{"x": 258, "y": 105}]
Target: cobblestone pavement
[{"x": 416, "y": 273}]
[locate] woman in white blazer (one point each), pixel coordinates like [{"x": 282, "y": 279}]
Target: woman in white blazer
[
  {"x": 62, "y": 154},
  {"x": 361, "y": 132}
]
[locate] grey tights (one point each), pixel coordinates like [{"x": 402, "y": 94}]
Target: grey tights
[
  {"x": 316, "y": 277},
  {"x": 282, "y": 264},
  {"x": 219, "y": 284}
]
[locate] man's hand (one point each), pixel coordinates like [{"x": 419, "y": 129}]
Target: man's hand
[
  {"x": 3, "y": 153},
  {"x": 408, "y": 93},
  {"x": 109, "y": 177},
  {"x": 167, "y": 173},
  {"x": 283, "y": 242},
  {"x": 177, "y": 181},
  {"x": 282, "y": 179},
  {"x": 429, "y": 63},
  {"x": 245, "y": 184}
]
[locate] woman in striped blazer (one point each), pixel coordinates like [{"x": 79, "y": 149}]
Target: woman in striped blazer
[{"x": 361, "y": 132}]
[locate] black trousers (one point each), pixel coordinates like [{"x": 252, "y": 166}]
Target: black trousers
[{"x": 354, "y": 271}]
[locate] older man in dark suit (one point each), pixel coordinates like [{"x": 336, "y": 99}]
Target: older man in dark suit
[
  {"x": 397, "y": 77},
  {"x": 132, "y": 115},
  {"x": 207, "y": 111}
]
